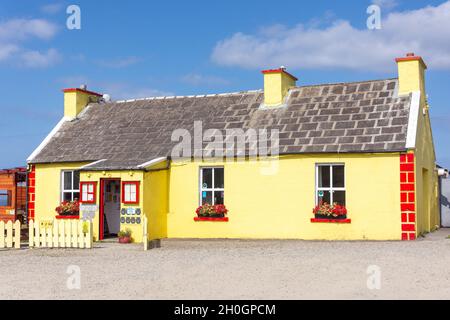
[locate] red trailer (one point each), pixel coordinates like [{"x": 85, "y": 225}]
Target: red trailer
[{"x": 13, "y": 194}]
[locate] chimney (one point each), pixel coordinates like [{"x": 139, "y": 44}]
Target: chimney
[
  {"x": 411, "y": 74},
  {"x": 76, "y": 99},
  {"x": 277, "y": 83}
]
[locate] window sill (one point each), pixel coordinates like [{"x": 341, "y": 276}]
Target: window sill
[
  {"x": 342, "y": 221},
  {"x": 211, "y": 219},
  {"x": 67, "y": 217}
]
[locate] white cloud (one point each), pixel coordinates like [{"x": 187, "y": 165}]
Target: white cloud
[
  {"x": 52, "y": 8},
  {"x": 36, "y": 59},
  {"x": 195, "y": 79},
  {"x": 15, "y": 32},
  {"x": 22, "y": 29},
  {"x": 424, "y": 31}
]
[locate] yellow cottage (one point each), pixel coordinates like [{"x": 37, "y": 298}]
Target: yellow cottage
[{"x": 360, "y": 154}]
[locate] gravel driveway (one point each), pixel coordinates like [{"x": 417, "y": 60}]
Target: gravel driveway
[{"x": 233, "y": 269}]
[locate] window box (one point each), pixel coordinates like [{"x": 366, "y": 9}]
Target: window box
[
  {"x": 328, "y": 220},
  {"x": 67, "y": 217},
  {"x": 223, "y": 219}
]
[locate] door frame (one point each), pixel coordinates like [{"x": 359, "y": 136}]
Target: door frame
[{"x": 101, "y": 235}]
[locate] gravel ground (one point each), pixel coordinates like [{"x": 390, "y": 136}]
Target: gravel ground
[{"x": 233, "y": 269}]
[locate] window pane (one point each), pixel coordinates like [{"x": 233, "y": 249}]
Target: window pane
[
  {"x": 90, "y": 188},
  {"x": 76, "y": 180},
  {"x": 76, "y": 196},
  {"x": 67, "y": 180},
  {"x": 207, "y": 179},
  {"x": 67, "y": 196},
  {"x": 324, "y": 176},
  {"x": 84, "y": 195},
  {"x": 218, "y": 197},
  {"x": 339, "y": 197},
  {"x": 90, "y": 197},
  {"x": 218, "y": 178},
  {"x": 206, "y": 197},
  {"x": 338, "y": 177},
  {"x": 325, "y": 197},
  {"x": 4, "y": 198}
]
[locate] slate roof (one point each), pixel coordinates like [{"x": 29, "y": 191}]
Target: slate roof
[{"x": 331, "y": 118}]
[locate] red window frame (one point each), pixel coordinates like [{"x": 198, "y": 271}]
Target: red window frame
[
  {"x": 134, "y": 183},
  {"x": 82, "y": 185}
]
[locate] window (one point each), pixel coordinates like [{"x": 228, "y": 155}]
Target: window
[
  {"x": 130, "y": 192},
  {"x": 212, "y": 186},
  {"x": 88, "y": 192},
  {"x": 70, "y": 185},
  {"x": 5, "y": 198},
  {"x": 330, "y": 184}
]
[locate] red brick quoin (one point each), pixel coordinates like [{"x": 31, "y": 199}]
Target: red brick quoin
[
  {"x": 31, "y": 192},
  {"x": 407, "y": 196}
]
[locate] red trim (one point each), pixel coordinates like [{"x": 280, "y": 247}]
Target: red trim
[
  {"x": 407, "y": 197},
  {"x": 279, "y": 70},
  {"x": 31, "y": 192},
  {"x": 83, "y": 91},
  {"x": 101, "y": 230},
  {"x": 137, "y": 185},
  {"x": 84, "y": 183},
  {"x": 411, "y": 57},
  {"x": 313, "y": 220},
  {"x": 211, "y": 219},
  {"x": 67, "y": 217}
]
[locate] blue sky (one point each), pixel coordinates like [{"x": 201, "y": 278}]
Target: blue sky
[{"x": 137, "y": 49}]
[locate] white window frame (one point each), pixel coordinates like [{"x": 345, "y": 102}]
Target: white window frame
[
  {"x": 72, "y": 191},
  {"x": 213, "y": 189},
  {"x": 331, "y": 189}
]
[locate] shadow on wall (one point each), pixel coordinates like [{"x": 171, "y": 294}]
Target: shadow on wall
[{"x": 445, "y": 202}]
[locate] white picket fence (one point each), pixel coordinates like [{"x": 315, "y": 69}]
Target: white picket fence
[
  {"x": 10, "y": 234},
  {"x": 145, "y": 233},
  {"x": 61, "y": 234}
]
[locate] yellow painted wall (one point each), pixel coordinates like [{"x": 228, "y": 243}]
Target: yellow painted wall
[
  {"x": 411, "y": 76},
  {"x": 75, "y": 102},
  {"x": 276, "y": 86},
  {"x": 280, "y": 205},
  {"x": 136, "y": 229},
  {"x": 156, "y": 184},
  {"x": 427, "y": 194},
  {"x": 48, "y": 188},
  {"x": 412, "y": 79},
  {"x": 48, "y": 191}
]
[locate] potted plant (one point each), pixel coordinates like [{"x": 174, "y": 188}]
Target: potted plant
[
  {"x": 326, "y": 211},
  {"x": 211, "y": 211},
  {"x": 68, "y": 209},
  {"x": 125, "y": 236}
]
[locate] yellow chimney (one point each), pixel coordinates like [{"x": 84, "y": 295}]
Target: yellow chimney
[
  {"x": 277, "y": 83},
  {"x": 411, "y": 74},
  {"x": 76, "y": 99}
]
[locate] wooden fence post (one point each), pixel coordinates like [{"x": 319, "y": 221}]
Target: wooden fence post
[
  {"x": 145, "y": 232},
  {"x": 90, "y": 236},
  {"x": 31, "y": 233},
  {"x": 2, "y": 234},
  {"x": 9, "y": 234},
  {"x": 17, "y": 230},
  {"x": 37, "y": 234}
]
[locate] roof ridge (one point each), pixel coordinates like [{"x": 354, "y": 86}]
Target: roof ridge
[
  {"x": 190, "y": 96},
  {"x": 342, "y": 83}
]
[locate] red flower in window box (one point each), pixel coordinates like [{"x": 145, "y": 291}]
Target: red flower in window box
[
  {"x": 68, "y": 208},
  {"x": 326, "y": 211},
  {"x": 211, "y": 211}
]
